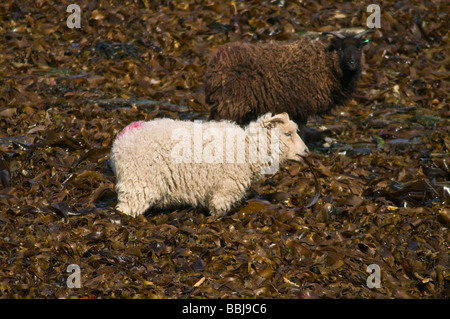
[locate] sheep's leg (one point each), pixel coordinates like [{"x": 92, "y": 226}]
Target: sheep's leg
[
  {"x": 223, "y": 198},
  {"x": 301, "y": 123},
  {"x": 302, "y": 131},
  {"x": 218, "y": 206},
  {"x": 124, "y": 207},
  {"x": 134, "y": 202}
]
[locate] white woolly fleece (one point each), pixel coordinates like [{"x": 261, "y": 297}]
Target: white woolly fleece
[{"x": 150, "y": 171}]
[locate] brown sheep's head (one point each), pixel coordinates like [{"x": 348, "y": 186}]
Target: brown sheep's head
[{"x": 348, "y": 48}]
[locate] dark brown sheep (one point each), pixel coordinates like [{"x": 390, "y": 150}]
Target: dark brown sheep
[{"x": 302, "y": 78}]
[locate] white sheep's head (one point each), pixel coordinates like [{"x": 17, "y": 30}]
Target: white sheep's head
[
  {"x": 348, "y": 48},
  {"x": 291, "y": 146}
]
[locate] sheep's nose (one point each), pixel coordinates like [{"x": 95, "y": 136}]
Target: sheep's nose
[{"x": 305, "y": 153}]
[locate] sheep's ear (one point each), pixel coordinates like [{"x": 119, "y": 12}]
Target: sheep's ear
[
  {"x": 364, "y": 42},
  {"x": 361, "y": 35},
  {"x": 281, "y": 118}
]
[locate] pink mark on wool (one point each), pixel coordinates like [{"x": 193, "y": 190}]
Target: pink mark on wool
[{"x": 130, "y": 127}]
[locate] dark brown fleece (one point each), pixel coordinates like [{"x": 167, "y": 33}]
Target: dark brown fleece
[{"x": 301, "y": 78}]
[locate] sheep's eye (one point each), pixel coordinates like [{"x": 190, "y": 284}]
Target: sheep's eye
[{"x": 288, "y": 134}]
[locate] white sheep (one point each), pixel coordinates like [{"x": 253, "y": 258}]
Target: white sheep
[{"x": 168, "y": 163}]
